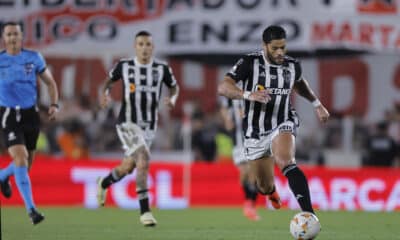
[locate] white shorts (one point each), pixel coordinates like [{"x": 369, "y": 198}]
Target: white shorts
[
  {"x": 258, "y": 148},
  {"x": 132, "y": 137},
  {"x": 238, "y": 155}
]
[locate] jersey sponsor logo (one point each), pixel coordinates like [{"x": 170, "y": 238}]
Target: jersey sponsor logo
[
  {"x": 260, "y": 87},
  {"x": 145, "y": 89},
  {"x": 132, "y": 87},
  {"x": 278, "y": 91}
]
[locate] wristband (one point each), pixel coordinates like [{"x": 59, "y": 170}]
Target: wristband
[
  {"x": 246, "y": 94},
  {"x": 173, "y": 99},
  {"x": 316, "y": 103},
  {"x": 55, "y": 105}
]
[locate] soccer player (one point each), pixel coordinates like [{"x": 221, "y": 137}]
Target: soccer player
[
  {"x": 270, "y": 122},
  {"x": 232, "y": 112},
  {"x": 142, "y": 77},
  {"x": 19, "y": 69}
]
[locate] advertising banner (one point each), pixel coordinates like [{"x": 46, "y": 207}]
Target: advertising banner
[
  {"x": 91, "y": 28},
  {"x": 174, "y": 186}
]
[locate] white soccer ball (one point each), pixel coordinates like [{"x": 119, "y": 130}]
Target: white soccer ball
[{"x": 304, "y": 226}]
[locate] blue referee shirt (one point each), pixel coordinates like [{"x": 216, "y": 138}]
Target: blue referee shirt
[{"x": 18, "y": 78}]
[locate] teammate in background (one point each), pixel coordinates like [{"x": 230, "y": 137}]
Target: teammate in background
[
  {"x": 270, "y": 123},
  {"x": 20, "y": 123},
  {"x": 142, "y": 78},
  {"x": 232, "y": 112}
]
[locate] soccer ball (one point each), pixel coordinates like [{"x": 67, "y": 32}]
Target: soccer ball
[{"x": 304, "y": 226}]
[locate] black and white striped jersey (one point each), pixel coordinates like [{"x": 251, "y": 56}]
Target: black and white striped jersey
[
  {"x": 257, "y": 73},
  {"x": 142, "y": 86},
  {"x": 235, "y": 109}
]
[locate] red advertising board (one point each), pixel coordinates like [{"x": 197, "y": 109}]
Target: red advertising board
[{"x": 174, "y": 185}]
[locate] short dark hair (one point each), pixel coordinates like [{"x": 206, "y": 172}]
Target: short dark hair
[
  {"x": 273, "y": 32},
  {"x": 9, "y": 23},
  {"x": 142, "y": 33}
]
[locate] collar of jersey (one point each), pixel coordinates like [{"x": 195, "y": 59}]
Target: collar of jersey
[{"x": 142, "y": 65}]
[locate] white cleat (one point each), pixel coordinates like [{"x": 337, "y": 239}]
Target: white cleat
[
  {"x": 148, "y": 220},
  {"x": 101, "y": 193}
]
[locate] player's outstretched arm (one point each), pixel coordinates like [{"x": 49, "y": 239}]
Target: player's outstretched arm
[
  {"x": 48, "y": 79},
  {"x": 303, "y": 89},
  {"x": 170, "y": 101},
  {"x": 105, "y": 93},
  {"x": 229, "y": 89}
]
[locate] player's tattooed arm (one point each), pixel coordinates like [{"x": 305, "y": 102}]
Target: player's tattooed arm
[
  {"x": 303, "y": 89},
  {"x": 229, "y": 89}
]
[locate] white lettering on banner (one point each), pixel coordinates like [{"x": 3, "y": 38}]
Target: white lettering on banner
[
  {"x": 393, "y": 200},
  {"x": 318, "y": 193},
  {"x": 87, "y": 177},
  {"x": 343, "y": 193},
  {"x": 119, "y": 191},
  {"x": 165, "y": 200},
  {"x": 191, "y": 26},
  {"x": 366, "y": 188}
]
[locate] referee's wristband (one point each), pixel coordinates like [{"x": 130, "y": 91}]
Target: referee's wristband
[
  {"x": 55, "y": 105},
  {"x": 316, "y": 103},
  {"x": 246, "y": 94}
]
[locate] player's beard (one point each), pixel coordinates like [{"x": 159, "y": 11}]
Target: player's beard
[{"x": 272, "y": 59}]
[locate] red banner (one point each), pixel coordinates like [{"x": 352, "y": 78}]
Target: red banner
[{"x": 175, "y": 185}]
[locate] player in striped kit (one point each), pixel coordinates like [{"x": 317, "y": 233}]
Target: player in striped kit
[
  {"x": 143, "y": 77},
  {"x": 232, "y": 112},
  {"x": 270, "y": 122}
]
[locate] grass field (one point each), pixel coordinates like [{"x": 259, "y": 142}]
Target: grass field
[{"x": 197, "y": 223}]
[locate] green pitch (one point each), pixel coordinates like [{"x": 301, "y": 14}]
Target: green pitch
[{"x": 197, "y": 223}]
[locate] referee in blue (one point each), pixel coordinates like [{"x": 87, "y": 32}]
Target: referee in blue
[{"x": 19, "y": 117}]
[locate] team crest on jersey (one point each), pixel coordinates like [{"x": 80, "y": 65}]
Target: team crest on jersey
[
  {"x": 29, "y": 68},
  {"x": 155, "y": 74},
  {"x": 286, "y": 75}
]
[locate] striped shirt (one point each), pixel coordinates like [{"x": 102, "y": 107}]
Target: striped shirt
[
  {"x": 257, "y": 73},
  {"x": 142, "y": 86},
  {"x": 235, "y": 110}
]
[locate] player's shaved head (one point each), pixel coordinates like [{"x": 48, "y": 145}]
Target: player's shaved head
[
  {"x": 142, "y": 33},
  {"x": 273, "y": 32}
]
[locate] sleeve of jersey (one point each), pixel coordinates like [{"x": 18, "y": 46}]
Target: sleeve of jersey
[
  {"x": 116, "y": 72},
  {"x": 169, "y": 78},
  {"x": 298, "y": 71},
  {"x": 40, "y": 63},
  {"x": 240, "y": 71}
]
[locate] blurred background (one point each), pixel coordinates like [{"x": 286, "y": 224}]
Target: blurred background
[{"x": 349, "y": 50}]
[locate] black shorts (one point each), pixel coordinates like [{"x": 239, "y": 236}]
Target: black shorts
[{"x": 20, "y": 126}]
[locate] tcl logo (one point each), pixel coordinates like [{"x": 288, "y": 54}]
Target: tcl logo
[{"x": 162, "y": 183}]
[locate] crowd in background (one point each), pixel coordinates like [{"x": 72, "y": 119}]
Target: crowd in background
[{"x": 83, "y": 130}]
